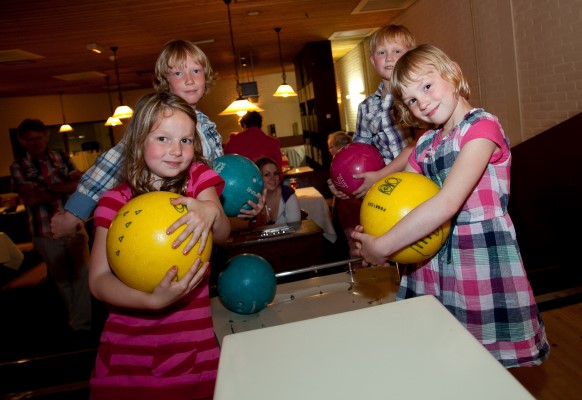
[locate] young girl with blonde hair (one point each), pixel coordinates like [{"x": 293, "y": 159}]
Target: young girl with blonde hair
[
  {"x": 478, "y": 274},
  {"x": 160, "y": 344}
]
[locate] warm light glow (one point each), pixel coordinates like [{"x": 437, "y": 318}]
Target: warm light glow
[
  {"x": 356, "y": 92},
  {"x": 284, "y": 90},
  {"x": 65, "y": 128},
  {"x": 123, "y": 112},
  {"x": 356, "y": 98},
  {"x": 240, "y": 107},
  {"x": 112, "y": 121},
  {"x": 94, "y": 47}
]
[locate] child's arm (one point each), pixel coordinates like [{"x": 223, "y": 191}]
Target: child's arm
[
  {"x": 428, "y": 216},
  {"x": 205, "y": 213},
  {"x": 397, "y": 165},
  {"x": 106, "y": 287},
  {"x": 102, "y": 176},
  {"x": 335, "y": 191}
]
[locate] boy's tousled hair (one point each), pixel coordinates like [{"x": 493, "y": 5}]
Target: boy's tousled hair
[
  {"x": 149, "y": 111},
  {"x": 391, "y": 33},
  {"x": 174, "y": 55},
  {"x": 414, "y": 63}
]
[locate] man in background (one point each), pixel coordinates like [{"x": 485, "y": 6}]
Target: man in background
[
  {"x": 44, "y": 179},
  {"x": 252, "y": 142}
]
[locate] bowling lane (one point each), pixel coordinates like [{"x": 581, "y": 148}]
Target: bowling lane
[{"x": 311, "y": 298}]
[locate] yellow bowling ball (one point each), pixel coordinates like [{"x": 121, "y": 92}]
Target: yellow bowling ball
[
  {"x": 389, "y": 200},
  {"x": 139, "y": 251}
]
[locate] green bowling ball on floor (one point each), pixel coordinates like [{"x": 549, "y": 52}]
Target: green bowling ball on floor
[
  {"x": 243, "y": 181},
  {"x": 247, "y": 284}
]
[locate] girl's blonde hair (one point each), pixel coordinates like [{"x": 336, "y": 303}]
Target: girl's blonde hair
[
  {"x": 413, "y": 64},
  {"x": 149, "y": 111},
  {"x": 174, "y": 55},
  {"x": 391, "y": 33}
]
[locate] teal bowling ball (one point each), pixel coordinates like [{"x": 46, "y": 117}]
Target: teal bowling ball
[
  {"x": 247, "y": 284},
  {"x": 243, "y": 182}
]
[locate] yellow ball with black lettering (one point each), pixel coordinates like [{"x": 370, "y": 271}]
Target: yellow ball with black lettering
[
  {"x": 139, "y": 251},
  {"x": 389, "y": 200}
]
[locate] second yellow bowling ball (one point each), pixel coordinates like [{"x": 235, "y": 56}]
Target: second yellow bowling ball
[
  {"x": 389, "y": 200},
  {"x": 139, "y": 251}
]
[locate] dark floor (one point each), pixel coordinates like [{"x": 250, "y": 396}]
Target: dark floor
[{"x": 39, "y": 357}]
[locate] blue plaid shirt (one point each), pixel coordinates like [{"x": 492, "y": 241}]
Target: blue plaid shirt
[
  {"x": 105, "y": 174},
  {"x": 376, "y": 126}
]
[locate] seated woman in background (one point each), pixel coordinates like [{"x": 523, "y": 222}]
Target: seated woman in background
[{"x": 281, "y": 205}]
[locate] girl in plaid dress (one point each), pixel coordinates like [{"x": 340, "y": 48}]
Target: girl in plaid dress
[{"x": 478, "y": 274}]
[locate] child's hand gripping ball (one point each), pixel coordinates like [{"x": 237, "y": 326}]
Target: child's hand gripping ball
[
  {"x": 139, "y": 251},
  {"x": 389, "y": 200}
]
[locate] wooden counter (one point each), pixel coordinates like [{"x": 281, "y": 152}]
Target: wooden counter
[{"x": 299, "y": 246}]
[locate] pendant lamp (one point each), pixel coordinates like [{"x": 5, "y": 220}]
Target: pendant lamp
[
  {"x": 64, "y": 127},
  {"x": 240, "y": 106},
  {"x": 123, "y": 111},
  {"x": 284, "y": 90},
  {"x": 111, "y": 121}
]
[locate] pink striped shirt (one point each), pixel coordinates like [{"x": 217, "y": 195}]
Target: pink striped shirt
[{"x": 171, "y": 353}]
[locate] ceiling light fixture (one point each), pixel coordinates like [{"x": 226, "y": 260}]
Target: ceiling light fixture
[
  {"x": 240, "y": 106},
  {"x": 95, "y": 48},
  {"x": 284, "y": 90},
  {"x": 111, "y": 121},
  {"x": 64, "y": 127},
  {"x": 123, "y": 111}
]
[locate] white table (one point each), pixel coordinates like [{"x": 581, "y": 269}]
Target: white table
[
  {"x": 313, "y": 202},
  {"x": 298, "y": 170},
  {"x": 295, "y": 155},
  {"x": 407, "y": 349}
]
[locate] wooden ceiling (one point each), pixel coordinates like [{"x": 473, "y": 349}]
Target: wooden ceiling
[{"x": 59, "y": 31}]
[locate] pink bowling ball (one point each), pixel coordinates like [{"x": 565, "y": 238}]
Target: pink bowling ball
[{"x": 354, "y": 158}]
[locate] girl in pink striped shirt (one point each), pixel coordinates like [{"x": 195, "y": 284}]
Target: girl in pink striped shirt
[{"x": 160, "y": 344}]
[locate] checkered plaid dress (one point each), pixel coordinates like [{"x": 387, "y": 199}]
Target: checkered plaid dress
[{"x": 478, "y": 274}]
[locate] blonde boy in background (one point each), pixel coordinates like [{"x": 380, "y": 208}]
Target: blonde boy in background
[{"x": 376, "y": 123}]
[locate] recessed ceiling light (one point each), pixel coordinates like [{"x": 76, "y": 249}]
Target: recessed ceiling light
[
  {"x": 95, "y": 48},
  {"x": 356, "y": 33}
]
